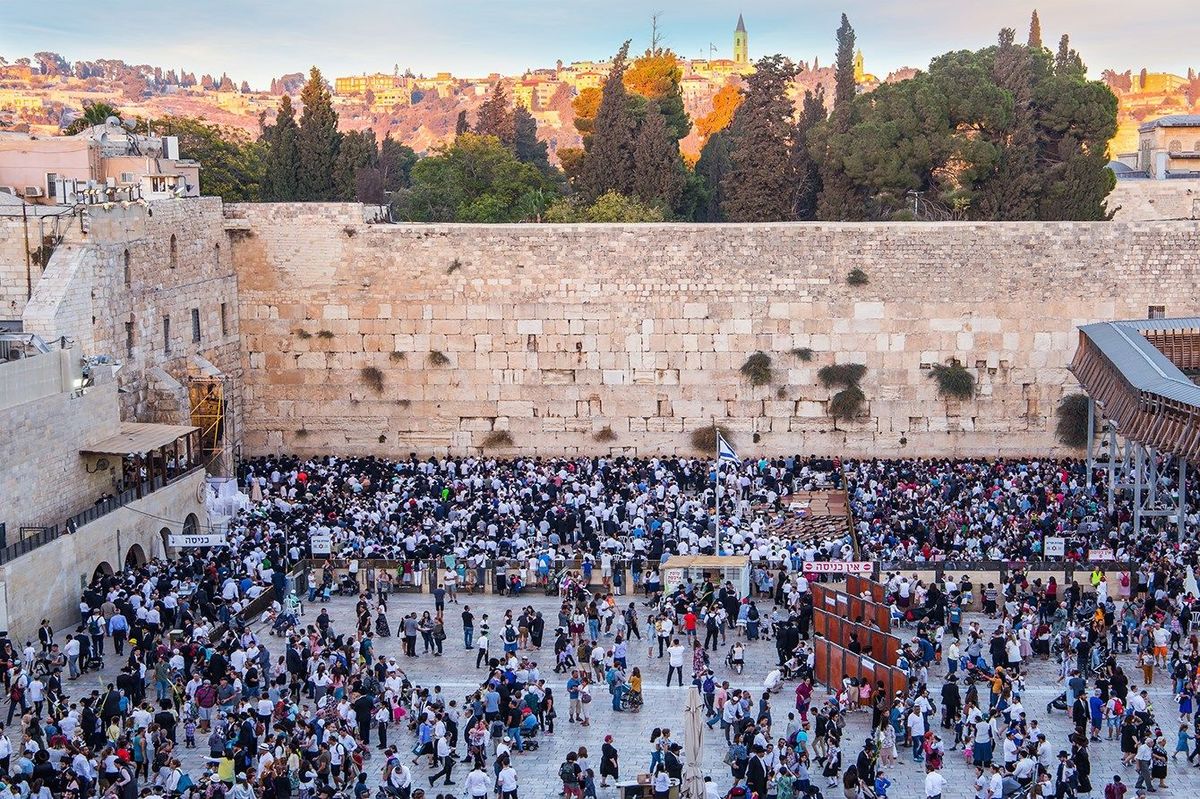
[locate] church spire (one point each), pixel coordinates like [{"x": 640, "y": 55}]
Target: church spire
[
  {"x": 741, "y": 50},
  {"x": 741, "y": 26}
]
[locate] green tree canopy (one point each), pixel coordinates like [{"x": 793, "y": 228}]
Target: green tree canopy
[
  {"x": 609, "y": 162},
  {"x": 475, "y": 179},
  {"x": 232, "y": 165},
  {"x": 319, "y": 140},
  {"x": 760, "y": 183},
  {"x": 282, "y": 140}
]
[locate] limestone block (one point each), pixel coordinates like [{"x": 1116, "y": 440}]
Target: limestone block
[{"x": 695, "y": 310}]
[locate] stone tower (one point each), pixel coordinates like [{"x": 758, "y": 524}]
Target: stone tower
[
  {"x": 859, "y": 72},
  {"x": 741, "y": 52}
]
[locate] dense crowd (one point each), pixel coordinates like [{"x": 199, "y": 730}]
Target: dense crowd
[{"x": 317, "y": 710}]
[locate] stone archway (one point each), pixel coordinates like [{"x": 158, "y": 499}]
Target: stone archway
[
  {"x": 103, "y": 569},
  {"x": 165, "y": 535},
  {"x": 191, "y": 525},
  {"x": 135, "y": 557}
]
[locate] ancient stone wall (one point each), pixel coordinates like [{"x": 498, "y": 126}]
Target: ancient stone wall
[
  {"x": 556, "y": 333},
  {"x": 137, "y": 266},
  {"x": 1136, "y": 200}
]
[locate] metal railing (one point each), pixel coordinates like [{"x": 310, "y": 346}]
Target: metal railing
[{"x": 72, "y": 524}]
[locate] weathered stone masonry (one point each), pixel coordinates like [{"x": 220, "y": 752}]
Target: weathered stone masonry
[{"x": 553, "y": 333}]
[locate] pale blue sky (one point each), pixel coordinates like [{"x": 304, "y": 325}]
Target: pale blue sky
[{"x": 257, "y": 39}]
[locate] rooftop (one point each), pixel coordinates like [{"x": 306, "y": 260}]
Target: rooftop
[{"x": 1171, "y": 121}]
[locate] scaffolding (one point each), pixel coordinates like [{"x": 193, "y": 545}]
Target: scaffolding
[
  {"x": 1135, "y": 467},
  {"x": 208, "y": 412}
]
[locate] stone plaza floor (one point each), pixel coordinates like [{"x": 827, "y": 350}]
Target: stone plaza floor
[{"x": 455, "y": 672}]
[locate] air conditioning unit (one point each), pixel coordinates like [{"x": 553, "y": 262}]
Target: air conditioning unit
[
  {"x": 10, "y": 190},
  {"x": 33, "y": 191}
]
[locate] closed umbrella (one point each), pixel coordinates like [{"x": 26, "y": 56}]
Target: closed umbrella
[{"x": 692, "y": 786}]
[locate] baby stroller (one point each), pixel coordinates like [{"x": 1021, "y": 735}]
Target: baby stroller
[
  {"x": 1058, "y": 703},
  {"x": 284, "y": 621},
  {"x": 348, "y": 586},
  {"x": 736, "y": 659},
  {"x": 631, "y": 701}
]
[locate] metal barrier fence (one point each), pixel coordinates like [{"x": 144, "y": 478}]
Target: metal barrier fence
[
  {"x": 834, "y": 663},
  {"x": 850, "y": 607},
  {"x": 875, "y": 643},
  {"x": 857, "y": 586}
]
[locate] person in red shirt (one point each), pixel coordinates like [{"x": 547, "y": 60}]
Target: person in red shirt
[{"x": 689, "y": 623}]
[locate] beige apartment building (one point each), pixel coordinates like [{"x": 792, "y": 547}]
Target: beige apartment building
[
  {"x": 1169, "y": 147},
  {"x": 106, "y": 163}
]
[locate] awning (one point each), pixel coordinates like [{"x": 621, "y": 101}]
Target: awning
[{"x": 139, "y": 437}]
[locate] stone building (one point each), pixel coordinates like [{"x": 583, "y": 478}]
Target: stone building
[{"x": 1169, "y": 147}]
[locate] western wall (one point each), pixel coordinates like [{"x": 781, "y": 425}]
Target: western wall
[{"x": 386, "y": 339}]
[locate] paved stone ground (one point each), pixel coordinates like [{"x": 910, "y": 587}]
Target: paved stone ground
[{"x": 457, "y": 675}]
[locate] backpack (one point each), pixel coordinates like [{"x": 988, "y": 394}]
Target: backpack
[{"x": 566, "y": 773}]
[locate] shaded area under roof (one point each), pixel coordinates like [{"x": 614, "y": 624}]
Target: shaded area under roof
[{"x": 139, "y": 437}]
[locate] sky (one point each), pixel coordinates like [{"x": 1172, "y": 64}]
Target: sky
[{"x": 256, "y": 40}]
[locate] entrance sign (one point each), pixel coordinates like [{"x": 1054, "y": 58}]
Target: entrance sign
[
  {"x": 197, "y": 540},
  {"x": 321, "y": 544},
  {"x": 1056, "y": 546},
  {"x": 838, "y": 566}
]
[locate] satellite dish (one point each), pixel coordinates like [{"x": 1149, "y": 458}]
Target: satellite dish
[
  {"x": 114, "y": 121},
  {"x": 102, "y": 464},
  {"x": 131, "y": 124}
]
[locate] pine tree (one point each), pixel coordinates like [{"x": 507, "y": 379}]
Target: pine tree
[
  {"x": 494, "y": 118},
  {"x": 1035, "y": 31},
  {"x": 658, "y": 169},
  {"x": 461, "y": 126},
  {"x": 608, "y": 164},
  {"x": 527, "y": 146},
  {"x": 1009, "y": 190},
  {"x": 319, "y": 140},
  {"x": 282, "y": 181},
  {"x": 356, "y": 153},
  {"x": 846, "y": 89},
  {"x": 760, "y": 184},
  {"x": 808, "y": 175}
]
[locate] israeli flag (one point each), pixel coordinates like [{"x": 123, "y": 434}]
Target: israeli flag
[{"x": 725, "y": 453}]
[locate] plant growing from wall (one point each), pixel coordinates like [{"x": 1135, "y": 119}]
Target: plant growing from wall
[
  {"x": 847, "y": 403},
  {"x": 302, "y": 433},
  {"x": 382, "y": 438},
  {"x": 455, "y": 265},
  {"x": 349, "y": 231},
  {"x": 303, "y": 334},
  {"x": 438, "y": 358},
  {"x": 373, "y": 377},
  {"x": 396, "y": 356},
  {"x": 605, "y": 434},
  {"x": 953, "y": 380},
  {"x": 403, "y": 403},
  {"x": 845, "y": 375},
  {"x": 857, "y": 277},
  {"x": 704, "y": 439},
  {"x": 1071, "y": 428},
  {"x": 325, "y": 334},
  {"x": 803, "y": 353},
  {"x": 498, "y": 438},
  {"x": 757, "y": 369}
]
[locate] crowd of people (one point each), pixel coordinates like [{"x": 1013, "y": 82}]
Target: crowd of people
[{"x": 319, "y": 710}]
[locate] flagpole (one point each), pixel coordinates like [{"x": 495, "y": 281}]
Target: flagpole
[{"x": 717, "y": 528}]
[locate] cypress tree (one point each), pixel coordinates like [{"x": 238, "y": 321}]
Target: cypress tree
[
  {"x": 808, "y": 175},
  {"x": 712, "y": 167},
  {"x": 608, "y": 164},
  {"x": 357, "y": 153},
  {"x": 838, "y": 198},
  {"x": 845, "y": 88},
  {"x": 1067, "y": 61},
  {"x": 527, "y": 146},
  {"x": 1009, "y": 190},
  {"x": 282, "y": 181},
  {"x": 760, "y": 184},
  {"x": 658, "y": 169},
  {"x": 494, "y": 118},
  {"x": 460, "y": 125},
  {"x": 319, "y": 139},
  {"x": 1035, "y": 31},
  {"x": 396, "y": 161}
]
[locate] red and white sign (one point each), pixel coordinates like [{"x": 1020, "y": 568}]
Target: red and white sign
[
  {"x": 838, "y": 566},
  {"x": 1100, "y": 554}
]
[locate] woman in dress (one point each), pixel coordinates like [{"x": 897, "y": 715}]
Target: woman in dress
[
  {"x": 608, "y": 762},
  {"x": 382, "y": 628}
]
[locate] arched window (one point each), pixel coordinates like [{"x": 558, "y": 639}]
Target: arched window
[
  {"x": 217, "y": 255},
  {"x": 128, "y": 272},
  {"x": 1175, "y": 146},
  {"x": 190, "y": 524},
  {"x": 174, "y": 252}
]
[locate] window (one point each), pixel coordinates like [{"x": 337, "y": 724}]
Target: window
[
  {"x": 51, "y": 184},
  {"x": 217, "y": 255},
  {"x": 195, "y": 325},
  {"x": 1175, "y": 146},
  {"x": 224, "y": 319},
  {"x": 128, "y": 271},
  {"x": 174, "y": 252},
  {"x": 166, "y": 335},
  {"x": 128, "y": 177},
  {"x": 129, "y": 339},
  {"x": 1156, "y": 312}
]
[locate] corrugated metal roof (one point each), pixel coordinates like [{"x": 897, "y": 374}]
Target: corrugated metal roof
[{"x": 1139, "y": 361}]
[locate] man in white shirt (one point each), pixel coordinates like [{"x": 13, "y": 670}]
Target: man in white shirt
[
  {"x": 675, "y": 664},
  {"x": 935, "y": 783},
  {"x": 478, "y": 784}
]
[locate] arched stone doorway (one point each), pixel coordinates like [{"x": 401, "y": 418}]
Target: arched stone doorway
[
  {"x": 103, "y": 569},
  {"x": 191, "y": 524},
  {"x": 165, "y": 535},
  {"x": 135, "y": 557}
]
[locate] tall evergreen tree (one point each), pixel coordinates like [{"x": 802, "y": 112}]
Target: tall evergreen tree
[
  {"x": 528, "y": 148},
  {"x": 608, "y": 164},
  {"x": 356, "y": 153},
  {"x": 319, "y": 139},
  {"x": 460, "y": 125},
  {"x": 494, "y": 118},
  {"x": 760, "y": 184},
  {"x": 658, "y": 169},
  {"x": 846, "y": 89},
  {"x": 713, "y": 166},
  {"x": 1009, "y": 189},
  {"x": 808, "y": 174},
  {"x": 1035, "y": 30},
  {"x": 1067, "y": 61},
  {"x": 396, "y": 161},
  {"x": 282, "y": 181}
]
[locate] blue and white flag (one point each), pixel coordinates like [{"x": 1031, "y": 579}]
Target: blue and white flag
[{"x": 725, "y": 453}]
